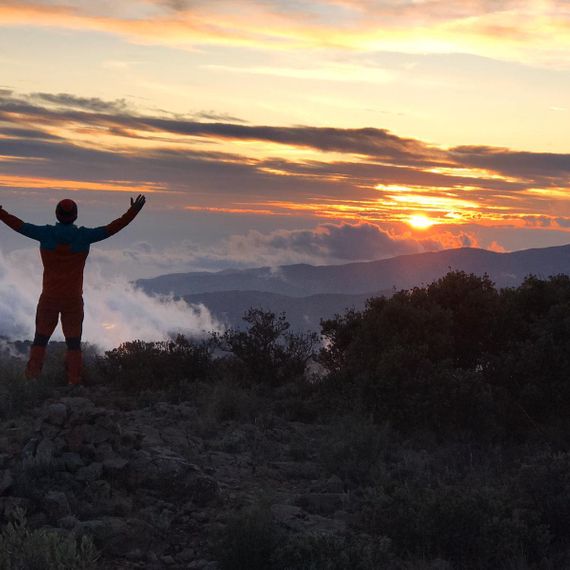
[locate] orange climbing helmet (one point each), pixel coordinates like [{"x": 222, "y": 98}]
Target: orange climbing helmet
[{"x": 66, "y": 211}]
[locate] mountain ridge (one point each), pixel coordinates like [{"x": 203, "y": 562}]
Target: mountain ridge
[{"x": 362, "y": 277}]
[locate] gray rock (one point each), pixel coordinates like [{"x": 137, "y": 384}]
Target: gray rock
[
  {"x": 90, "y": 473},
  {"x": 157, "y": 466},
  {"x": 56, "y": 505},
  {"x": 56, "y": 414},
  {"x": 320, "y": 503},
  {"x": 105, "y": 530},
  {"x": 115, "y": 466},
  {"x": 334, "y": 485},
  {"x": 29, "y": 451},
  {"x": 45, "y": 452},
  {"x": 72, "y": 461},
  {"x": 289, "y": 516},
  {"x": 297, "y": 469},
  {"x": 9, "y": 505},
  {"x": 6, "y": 480},
  {"x": 98, "y": 492},
  {"x": 95, "y": 434},
  {"x": 104, "y": 451},
  {"x": 135, "y": 555},
  {"x": 76, "y": 405},
  {"x": 187, "y": 555},
  {"x": 203, "y": 490},
  {"x": 69, "y": 522},
  {"x": 198, "y": 564}
]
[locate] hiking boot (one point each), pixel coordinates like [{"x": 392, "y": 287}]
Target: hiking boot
[
  {"x": 36, "y": 362},
  {"x": 73, "y": 363}
]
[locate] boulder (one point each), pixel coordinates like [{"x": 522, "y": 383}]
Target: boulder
[
  {"x": 72, "y": 461},
  {"x": 320, "y": 503},
  {"x": 6, "y": 480},
  {"x": 202, "y": 490},
  {"x": 92, "y": 472},
  {"x": 56, "y": 414},
  {"x": 157, "y": 467},
  {"x": 56, "y": 505}
]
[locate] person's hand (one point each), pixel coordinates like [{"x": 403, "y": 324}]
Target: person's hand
[{"x": 138, "y": 203}]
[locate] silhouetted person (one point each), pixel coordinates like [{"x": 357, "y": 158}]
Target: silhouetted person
[{"x": 64, "y": 249}]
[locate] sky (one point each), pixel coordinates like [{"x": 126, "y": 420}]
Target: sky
[{"x": 265, "y": 132}]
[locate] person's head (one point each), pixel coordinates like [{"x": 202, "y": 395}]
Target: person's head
[{"x": 66, "y": 211}]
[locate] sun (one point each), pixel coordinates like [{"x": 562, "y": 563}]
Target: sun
[{"x": 420, "y": 222}]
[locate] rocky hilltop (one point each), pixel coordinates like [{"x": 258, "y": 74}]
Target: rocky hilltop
[{"x": 155, "y": 484}]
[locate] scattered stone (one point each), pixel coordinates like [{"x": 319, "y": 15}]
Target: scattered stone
[
  {"x": 72, "y": 461},
  {"x": 9, "y": 505},
  {"x": 186, "y": 555},
  {"x": 95, "y": 434},
  {"x": 77, "y": 405},
  {"x": 203, "y": 490},
  {"x": 56, "y": 414},
  {"x": 320, "y": 503},
  {"x": 6, "y": 480},
  {"x": 135, "y": 555},
  {"x": 297, "y": 469},
  {"x": 90, "y": 473},
  {"x": 115, "y": 466},
  {"x": 334, "y": 485},
  {"x": 45, "y": 452},
  {"x": 29, "y": 451},
  {"x": 69, "y": 522},
  {"x": 110, "y": 533},
  {"x": 168, "y": 560},
  {"x": 289, "y": 516},
  {"x": 198, "y": 564},
  {"x": 157, "y": 465},
  {"x": 56, "y": 505}
]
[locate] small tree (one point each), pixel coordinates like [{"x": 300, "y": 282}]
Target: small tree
[{"x": 267, "y": 352}]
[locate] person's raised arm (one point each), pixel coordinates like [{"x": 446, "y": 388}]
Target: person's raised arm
[
  {"x": 10, "y": 220},
  {"x": 103, "y": 232},
  {"x": 28, "y": 230}
]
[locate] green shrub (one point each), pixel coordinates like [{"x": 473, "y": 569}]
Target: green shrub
[{"x": 24, "y": 549}]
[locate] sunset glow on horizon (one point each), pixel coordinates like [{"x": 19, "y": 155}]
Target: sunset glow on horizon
[{"x": 417, "y": 125}]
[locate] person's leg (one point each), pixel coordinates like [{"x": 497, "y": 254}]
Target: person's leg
[
  {"x": 72, "y": 325},
  {"x": 47, "y": 315}
]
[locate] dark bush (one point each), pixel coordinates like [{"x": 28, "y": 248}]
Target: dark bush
[
  {"x": 267, "y": 353},
  {"x": 248, "y": 541},
  {"x": 139, "y": 365},
  {"x": 458, "y": 357}
]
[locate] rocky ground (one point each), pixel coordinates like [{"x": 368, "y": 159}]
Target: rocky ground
[{"x": 156, "y": 483}]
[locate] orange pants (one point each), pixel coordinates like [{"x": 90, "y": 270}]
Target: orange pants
[{"x": 47, "y": 316}]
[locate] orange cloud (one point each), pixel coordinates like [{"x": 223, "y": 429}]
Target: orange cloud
[
  {"x": 255, "y": 211},
  {"x": 351, "y": 175},
  {"x": 12, "y": 181},
  {"x": 533, "y": 31}
]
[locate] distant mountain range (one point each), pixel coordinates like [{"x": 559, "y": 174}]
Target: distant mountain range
[
  {"x": 304, "y": 313},
  {"x": 308, "y": 292}
]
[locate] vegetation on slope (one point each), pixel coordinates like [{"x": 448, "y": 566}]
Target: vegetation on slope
[{"x": 436, "y": 430}]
